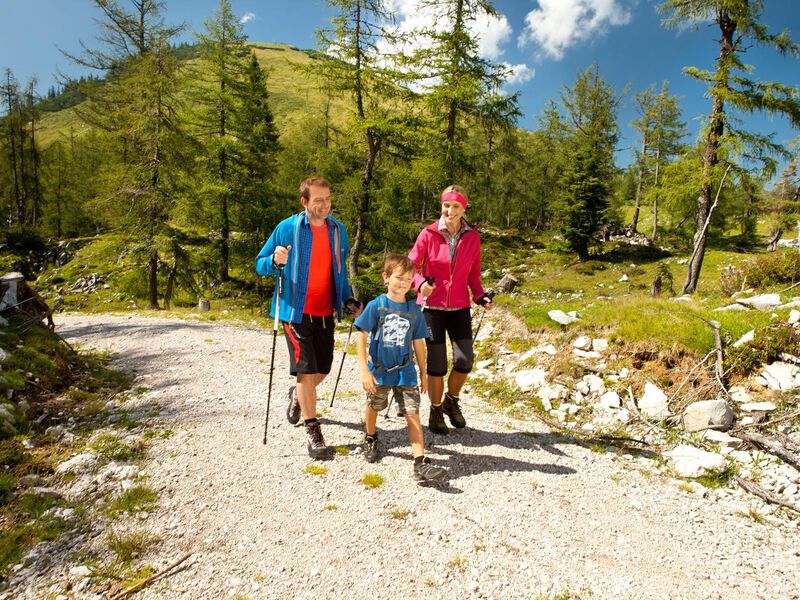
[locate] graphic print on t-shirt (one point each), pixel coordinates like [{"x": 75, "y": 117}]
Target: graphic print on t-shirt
[{"x": 394, "y": 331}]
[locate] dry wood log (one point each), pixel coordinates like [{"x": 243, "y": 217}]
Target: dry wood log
[
  {"x": 151, "y": 579},
  {"x": 771, "y": 445},
  {"x": 788, "y": 417},
  {"x": 756, "y": 490}
]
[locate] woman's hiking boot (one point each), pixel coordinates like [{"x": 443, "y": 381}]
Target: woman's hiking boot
[
  {"x": 450, "y": 406},
  {"x": 293, "y": 410},
  {"x": 436, "y": 420},
  {"x": 372, "y": 450},
  {"x": 425, "y": 470},
  {"x": 315, "y": 442}
]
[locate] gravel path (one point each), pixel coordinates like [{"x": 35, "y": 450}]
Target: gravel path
[{"x": 523, "y": 514}]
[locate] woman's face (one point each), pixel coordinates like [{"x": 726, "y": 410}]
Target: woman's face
[{"x": 452, "y": 211}]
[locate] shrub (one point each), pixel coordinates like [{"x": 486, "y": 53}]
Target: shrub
[
  {"x": 767, "y": 346},
  {"x": 762, "y": 271}
]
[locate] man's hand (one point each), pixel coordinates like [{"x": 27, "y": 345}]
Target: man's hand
[
  {"x": 368, "y": 381},
  {"x": 354, "y": 306},
  {"x": 281, "y": 256}
]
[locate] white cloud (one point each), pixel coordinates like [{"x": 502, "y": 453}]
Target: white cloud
[
  {"x": 519, "y": 73},
  {"x": 247, "y": 17},
  {"x": 558, "y": 24}
]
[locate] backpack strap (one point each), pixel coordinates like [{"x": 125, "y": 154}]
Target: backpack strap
[{"x": 383, "y": 309}]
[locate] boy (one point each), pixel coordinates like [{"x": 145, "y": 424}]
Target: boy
[{"x": 396, "y": 329}]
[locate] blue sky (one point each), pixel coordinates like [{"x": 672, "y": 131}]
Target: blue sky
[{"x": 547, "y": 41}]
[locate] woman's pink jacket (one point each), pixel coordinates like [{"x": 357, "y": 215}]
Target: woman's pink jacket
[{"x": 453, "y": 280}]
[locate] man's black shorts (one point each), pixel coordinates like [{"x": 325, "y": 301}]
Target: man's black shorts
[{"x": 310, "y": 344}]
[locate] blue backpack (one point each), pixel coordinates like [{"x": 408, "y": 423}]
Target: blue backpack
[{"x": 383, "y": 311}]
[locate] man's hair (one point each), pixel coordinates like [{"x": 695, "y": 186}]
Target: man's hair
[
  {"x": 457, "y": 189},
  {"x": 397, "y": 262},
  {"x": 318, "y": 181}
]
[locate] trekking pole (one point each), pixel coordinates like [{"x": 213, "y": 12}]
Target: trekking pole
[
  {"x": 489, "y": 295},
  {"x": 429, "y": 281},
  {"x": 341, "y": 364},
  {"x": 272, "y": 358}
]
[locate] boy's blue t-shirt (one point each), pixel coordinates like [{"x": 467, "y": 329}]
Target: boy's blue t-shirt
[{"x": 394, "y": 344}]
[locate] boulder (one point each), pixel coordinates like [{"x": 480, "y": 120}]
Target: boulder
[
  {"x": 600, "y": 345},
  {"x": 610, "y": 400},
  {"x": 764, "y": 407},
  {"x": 654, "y": 402},
  {"x": 77, "y": 464},
  {"x": 560, "y": 317},
  {"x": 688, "y": 461},
  {"x": 708, "y": 414},
  {"x": 762, "y": 302},
  {"x": 782, "y": 376},
  {"x": 506, "y": 284},
  {"x": 530, "y": 379},
  {"x": 584, "y": 342}
]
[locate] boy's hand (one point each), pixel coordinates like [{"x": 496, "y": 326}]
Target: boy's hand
[
  {"x": 423, "y": 384},
  {"x": 368, "y": 382}
]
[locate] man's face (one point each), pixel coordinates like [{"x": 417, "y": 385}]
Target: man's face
[{"x": 318, "y": 204}]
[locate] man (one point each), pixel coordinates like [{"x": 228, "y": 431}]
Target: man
[{"x": 313, "y": 248}]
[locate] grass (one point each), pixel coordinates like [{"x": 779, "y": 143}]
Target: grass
[
  {"x": 331, "y": 507},
  {"x": 315, "y": 469},
  {"x": 341, "y": 450},
  {"x": 400, "y": 514},
  {"x": 372, "y": 480},
  {"x": 753, "y": 514},
  {"x": 716, "y": 479},
  {"x": 458, "y": 562},
  {"x": 128, "y": 546},
  {"x": 136, "y": 498},
  {"x": 111, "y": 448}
]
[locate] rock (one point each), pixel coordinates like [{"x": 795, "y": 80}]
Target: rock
[
  {"x": 689, "y": 461},
  {"x": 203, "y": 305},
  {"x": 482, "y": 364},
  {"x": 730, "y": 307},
  {"x": 582, "y": 388},
  {"x": 708, "y": 414},
  {"x": 762, "y": 302},
  {"x": 32, "y": 480},
  {"x": 546, "y": 349},
  {"x": 558, "y": 414},
  {"x": 624, "y": 373},
  {"x": 3, "y": 322},
  {"x": 654, "y": 402},
  {"x": 600, "y": 345},
  {"x": 623, "y": 278},
  {"x": 746, "y": 338},
  {"x": 723, "y": 439},
  {"x": 764, "y": 407},
  {"x": 560, "y": 317},
  {"x": 506, "y": 284},
  {"x": 584, "y": 342},
  {"x": 28, "y": 444},
  {"x": 623, "y": 415},
  {"x": 44, "y": 492},
  {"x": 80, "y": 572},
  {"x": 610, "y": 400},
  {"x": 531, "y": 379},
  {"x": 794, "y": 317},
  {"x": 77, "y": 464},
  {"x": 6, "y": 415},
  {"x": 4, "y": 356},
  {"x": 594, "y": 383},
  {"x": 56, "y": 432},
  {"x": 782, "y": 376},
  {"x": 570, "y": 409},
  {"x": 585, "y": 354},
  {"x": 742, "y": 456},
  {"x": 739, "y": 394},
  {"x": 682, "y": 299}
]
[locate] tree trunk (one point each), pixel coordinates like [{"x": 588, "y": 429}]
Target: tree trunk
[
  {"x": 655, "y": 195},
  {"x": 635, "y": 220},
  {"x": 710, "y": 158},
  {"x": 152, "y": 271}
]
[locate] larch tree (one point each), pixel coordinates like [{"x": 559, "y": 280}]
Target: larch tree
[{"x": 732, "y": 89}]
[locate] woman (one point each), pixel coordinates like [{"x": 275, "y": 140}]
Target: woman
[{"x": 447, "y": 255}]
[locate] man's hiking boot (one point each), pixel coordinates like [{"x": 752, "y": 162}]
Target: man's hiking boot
[
  {"x": 316, "y": 443},
  {"x": 425, "y": 470},
  {"x": 451, "y": 409},
  {"x": 436, "y": 420},
  {"x": 293, "y": 410},
  {"x": 372, "y": 449}
]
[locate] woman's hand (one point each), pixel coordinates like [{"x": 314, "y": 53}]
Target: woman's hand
[{"x": 426, "y": 289}]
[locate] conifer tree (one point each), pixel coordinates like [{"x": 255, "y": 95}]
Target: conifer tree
[{"x": 731, "y": 88}]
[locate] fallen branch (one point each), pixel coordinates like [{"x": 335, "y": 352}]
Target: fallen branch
[
  {"x": 694, "y": 368},
  {"x": 754, "y": 489},
  {"x": 772, "y": 446},
  {"x": 791, "y": 287},
  {"x": 151, "y": 579},
  {"x": 768, "y": 423}
]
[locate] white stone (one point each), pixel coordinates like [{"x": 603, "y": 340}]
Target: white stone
[
  {"x": 583, "y": 342},
  {"x": 689, "y": 461},
  {"x": 794, "y": 317},
  {"x": 784, "y": 374},
  {"x": 707, "y": 414},
  {"x": 654, "y": 402},
  {"x": 574, "y": 314},
  {"x": 559, "y": 414},
  {"x": 595, "y": 384},
  {"x": 482, "y": 364},
  {"x": 3, "y": 322},
  {"x": 739, "y": 394},
  {"x": 600, "y": 345},
  {"x": 791, "y": 304},
  {"x": 746, "y": 338},
  {"x": 624, "y": 373},
  {"x": 81, "y": 571},
  {"x": 623, "y": 415},
  {"x": 4, "y": 356},
  {"x": 746, "y": 421},
  {"x": 550, "y": 392},
  {"x": 758, "y": 407},
  {"x": 585, "y": 354},
  {"x": 530, "y": 379},
  {"x": 742, "y": 456},
  {"x": 730, "y": 307},
  {"x": 762, "y": 302},
  {"x": 77, "y": 464},
  {"x": 44, "y": 492},
  {"x": 761, "y": 381},
  {"x": 582, "y": 388},
  {"x": 546, "y": 349},
  {"x": 610, "y": 400},
  {"x": 721, "y": 438},
  {"x": 682, "y": 299},
  {"x": 623, "y": 278},
  {"x": 559, "y": 316},
  {"x": 570, "y": 409}
]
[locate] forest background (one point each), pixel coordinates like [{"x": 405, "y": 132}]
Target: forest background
[{"x": 183, "y": 157}]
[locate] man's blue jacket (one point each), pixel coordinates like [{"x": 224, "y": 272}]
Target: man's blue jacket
[{"x": 296, "y": 232}]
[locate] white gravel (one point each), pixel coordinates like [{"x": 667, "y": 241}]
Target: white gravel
[{"x": 523, "y": 514}]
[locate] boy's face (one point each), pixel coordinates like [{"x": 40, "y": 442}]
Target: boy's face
[{"x": 398, "y": 282}]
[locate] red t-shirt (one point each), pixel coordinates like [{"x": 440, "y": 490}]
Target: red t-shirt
[{"x": 319, "y": 296}]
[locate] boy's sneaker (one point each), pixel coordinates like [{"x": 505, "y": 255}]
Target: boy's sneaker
[
  {"x": 436, "y": 420},
  {"x": 293, "y": 410},
  {"x": 315, "y": 442},
  {"x": 450, "y": 406},
  {"x": 372, "y": 449},
  {"x": 425, "y": 470}
]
